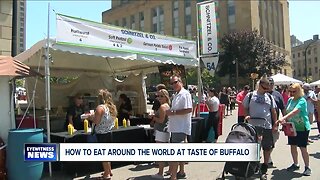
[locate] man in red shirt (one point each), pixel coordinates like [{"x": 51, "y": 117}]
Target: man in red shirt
[{"x": 240, "y": 96}]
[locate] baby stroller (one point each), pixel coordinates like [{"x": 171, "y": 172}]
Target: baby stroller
[{"x": 245, "y": 133}]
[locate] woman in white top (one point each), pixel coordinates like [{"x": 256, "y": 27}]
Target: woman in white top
[
  {"x": 213, "y": 119},
  {"x": 103, "y": 120}
]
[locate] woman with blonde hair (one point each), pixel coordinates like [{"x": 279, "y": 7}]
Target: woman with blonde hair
[
  {"x": 161, "y": 121},
  {"x": 297, "y": 113},
  {"x": 103, "y": 119}
]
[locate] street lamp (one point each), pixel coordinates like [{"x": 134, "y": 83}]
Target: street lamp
[
  {"x": 253, "y": 76},
  {"x": 235, "y": 61},
  {"x": 305, "y": 60}
]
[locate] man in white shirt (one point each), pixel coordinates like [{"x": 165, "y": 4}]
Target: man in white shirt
[{"x": 179, "y": 124}]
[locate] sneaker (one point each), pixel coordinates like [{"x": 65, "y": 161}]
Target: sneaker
[
  {"x": 263, "y": 177},
  {"x": 181, "y": 175},
  {"x": 270, "y": 164},
  {"x": 157, "y": 176},
  {"x": 167, "y": 173},
  {"x": 293, "y": 167},
  {"x": 307, "y": 171}
]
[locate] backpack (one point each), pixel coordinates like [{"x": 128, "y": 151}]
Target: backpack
[{"x": 270, "y": 97}]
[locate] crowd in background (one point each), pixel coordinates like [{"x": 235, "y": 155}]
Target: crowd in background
[{"x": 172, "y": 116}]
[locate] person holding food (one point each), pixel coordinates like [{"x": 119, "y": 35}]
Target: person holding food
[{"x": 74, "y": 112}]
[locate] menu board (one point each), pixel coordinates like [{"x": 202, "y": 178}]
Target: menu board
[{"x": 166, "y": 71}]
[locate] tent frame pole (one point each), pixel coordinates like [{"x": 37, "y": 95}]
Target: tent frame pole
[{"x": 47, "y": 85}]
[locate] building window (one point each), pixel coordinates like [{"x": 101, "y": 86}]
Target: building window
[
  {"x": 158, "y": 20},
  {"x": 231, "y": 15},
  {"x": 154, "y": 20},
  {"x": 316, "y": 70},
  {"x": 315, "y": 51},
  {"x": 116, "y": 23},
  {"x": 310, "y": 72},
  {"x": 298, "y": 54},
  {"x": 293, "y": 56},
  {"x": 187, "y": 19},
  {"x": 132, "y": 22},
  {"x": 161, "y": 20},
  {"x": 187, "y": 3},
  {"x": 175, "y": 15},
  {"x": 141, "y": 19},
  {"x": 309, "y": 52},
  {"x": 123, "y": 1},
  {"x": 124, "y": 22},
  {"x": 315, "y": 60},
  {"x": 309, "y": 61}
]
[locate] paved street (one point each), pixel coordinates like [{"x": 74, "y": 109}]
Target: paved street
[{"x": 211, "y": 170}]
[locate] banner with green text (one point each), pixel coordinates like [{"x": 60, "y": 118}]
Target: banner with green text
[{"x": 80, "y": 32}]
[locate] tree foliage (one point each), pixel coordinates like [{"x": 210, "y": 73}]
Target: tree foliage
[
  {"x": 207, "y": 80},
  {"x": 252, "y": 52},
  {"x": 19, "y": 82}
]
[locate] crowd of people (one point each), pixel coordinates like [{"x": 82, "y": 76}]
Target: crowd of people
[
  {"x": 297, "y": 103},
  {"x": 172, "y": 117}
]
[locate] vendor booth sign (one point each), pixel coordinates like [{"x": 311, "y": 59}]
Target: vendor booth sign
[
  {"x": 207, "y": 26},
  {"x": 75, "y": 31},
  {"x": 207, "y": 35}
]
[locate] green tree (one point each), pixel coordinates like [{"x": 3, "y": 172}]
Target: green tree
[
  {"x": 207, "y": 79},
  {"x": 19, "y": 82},
  {"x": 252, "y": 52}
]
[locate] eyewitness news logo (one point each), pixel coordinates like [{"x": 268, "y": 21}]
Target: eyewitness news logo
[{"x": 41, "y": 152}]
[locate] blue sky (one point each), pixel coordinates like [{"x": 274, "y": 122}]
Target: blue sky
[
  {"x": 304, "y": 22},
  {"x": 37, "y": 15}
]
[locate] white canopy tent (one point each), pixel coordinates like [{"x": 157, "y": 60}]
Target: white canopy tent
[
  {"x": 76, "y": 61},
  {"x": 84, "y": 46},
  {"x": 281, "y": 79},
  {"x": 68, "y": 60},
  {"x": 316, "y": 83}
]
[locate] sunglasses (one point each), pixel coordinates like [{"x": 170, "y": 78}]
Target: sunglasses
[
  {"x": 292, "y": 91},
  {"x": 264, "y": 88},
  {"x": 174, "y": 82}
]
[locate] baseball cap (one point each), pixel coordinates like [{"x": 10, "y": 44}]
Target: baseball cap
[
  {"x": 271, "y": 80},
  {"x": 246, "y": 87},
  {"x": 306, "y": 86}
]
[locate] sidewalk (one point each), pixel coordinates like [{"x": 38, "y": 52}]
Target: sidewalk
[{"x": 211, "y": 170}]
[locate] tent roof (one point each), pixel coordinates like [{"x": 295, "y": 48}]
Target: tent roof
[
  {"x": 11, "y": 67},
  {"x": 69, "y": 59},
  {"x": 280, "y": 79},
  {"x": 316, "y": 83}
]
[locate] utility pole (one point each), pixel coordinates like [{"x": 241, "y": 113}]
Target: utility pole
[{"x": 237, "y": 73}]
